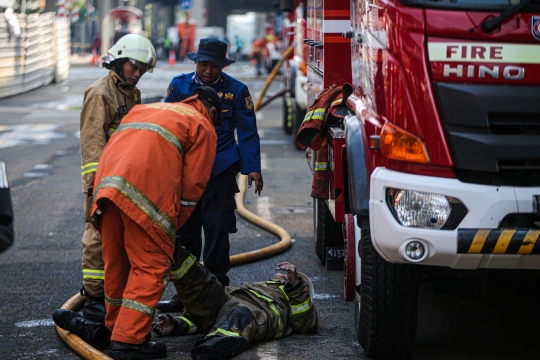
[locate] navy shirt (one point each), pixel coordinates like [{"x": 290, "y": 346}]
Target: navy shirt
[{"x": 237, "y": 113}]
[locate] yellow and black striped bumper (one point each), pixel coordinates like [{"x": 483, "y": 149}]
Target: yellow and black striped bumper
[{"x": 498, "y": 241}]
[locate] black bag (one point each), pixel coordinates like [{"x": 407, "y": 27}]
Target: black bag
[{"x": 6, "y": 211}]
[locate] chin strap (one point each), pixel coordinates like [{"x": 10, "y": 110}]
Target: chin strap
[{"x": 118, "y": 67}]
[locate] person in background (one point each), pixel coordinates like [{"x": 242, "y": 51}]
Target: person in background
[
  {"x": 166, "y": 47},
  {"x": 260, "y": 53},
  {"x": 105, "y": 103},
  {"x": 215, "y": 212},
  {"x": 239, "y": 47}
]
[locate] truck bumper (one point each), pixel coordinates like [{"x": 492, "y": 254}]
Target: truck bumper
[{"x": 487, "y": 206}]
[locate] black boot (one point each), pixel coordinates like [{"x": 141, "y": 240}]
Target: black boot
[
  {"x": 95, "y": 334},
  {"x": 173, "y": 305},
  {"x": 146, "y": 350},
  {"x": 94, "y": 309},
  {"x": 219, "y": 348}
]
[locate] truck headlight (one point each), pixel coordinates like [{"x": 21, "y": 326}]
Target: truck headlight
[{"x": 425, "y": 210}]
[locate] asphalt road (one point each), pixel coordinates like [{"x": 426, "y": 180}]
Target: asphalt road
[{"x": 40, "y": 145}]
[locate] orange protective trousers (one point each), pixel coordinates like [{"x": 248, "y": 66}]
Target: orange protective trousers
[{"x": 135, "y": 270}]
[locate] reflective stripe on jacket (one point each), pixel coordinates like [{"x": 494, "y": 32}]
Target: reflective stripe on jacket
[
  {"x": 289, "y": 310},
  {"x": 156, "y": 166}
]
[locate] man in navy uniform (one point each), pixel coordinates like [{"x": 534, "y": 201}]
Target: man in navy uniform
[{"x": 215, "y": 211}]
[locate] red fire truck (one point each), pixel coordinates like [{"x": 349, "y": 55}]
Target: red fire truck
[{"x": 435, "y": 172}]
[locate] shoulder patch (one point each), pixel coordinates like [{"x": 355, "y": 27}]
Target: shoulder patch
[
  {"x": 249, "y": 103},
  {"x": 245, "y": 93}
]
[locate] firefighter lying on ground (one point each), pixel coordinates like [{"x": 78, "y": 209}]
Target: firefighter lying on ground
[{"x": 235, "y": 316}]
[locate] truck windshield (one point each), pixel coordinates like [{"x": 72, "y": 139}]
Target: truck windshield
[{"x": 472, "y": 4}]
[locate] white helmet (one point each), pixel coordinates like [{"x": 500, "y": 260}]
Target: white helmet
[
  {"x": 138, "y": 49},
  {"x": 311, "y": 288}
]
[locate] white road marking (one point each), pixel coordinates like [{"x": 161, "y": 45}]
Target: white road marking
[
  {"x": 275, "y": 142},
  {"x": 34, "y": 323},
  {"x": 264, "y": 162},
  {"x": 267, "y": 351},
  {"x": 263, "y": 207},
  {"x": 34, "y": 174},
  {"x": 325, "y": 296}
]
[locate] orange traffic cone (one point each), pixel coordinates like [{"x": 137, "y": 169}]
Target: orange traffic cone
[
  {"x": 172, "y": 58},
  {"x": 95, "y": 57}
]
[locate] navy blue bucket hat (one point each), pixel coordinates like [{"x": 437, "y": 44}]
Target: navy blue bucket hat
[{"x": 213, "y": 50}]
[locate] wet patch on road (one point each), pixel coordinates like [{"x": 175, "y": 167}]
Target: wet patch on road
[{"x": 28, "y": 134}]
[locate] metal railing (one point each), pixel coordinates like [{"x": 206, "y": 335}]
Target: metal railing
[{"x": 39, "y": 55}]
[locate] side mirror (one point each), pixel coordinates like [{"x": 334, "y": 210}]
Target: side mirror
[{"x": 286, "y": 5}]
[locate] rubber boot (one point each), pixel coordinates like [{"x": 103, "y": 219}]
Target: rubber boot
[
  {"x": 219, "y": 348},
  {"x": 94, "y": 308},
  {"x": 173, "y": 305},
  {"x": 95, "y": 334},
  {"x": 146, "y": 350}
]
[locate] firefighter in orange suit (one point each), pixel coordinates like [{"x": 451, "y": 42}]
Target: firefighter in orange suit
[
  {"x": 106, "y": 102},
  {"x": 150, "y": 177}
]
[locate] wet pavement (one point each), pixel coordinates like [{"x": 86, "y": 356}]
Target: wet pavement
[{"x": 39, "y": 142}]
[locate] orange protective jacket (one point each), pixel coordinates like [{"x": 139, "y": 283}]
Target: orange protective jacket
[{"x": 156, "y": 165}]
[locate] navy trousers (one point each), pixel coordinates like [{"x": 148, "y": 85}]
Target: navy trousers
[{"x": 215, "y": 214}]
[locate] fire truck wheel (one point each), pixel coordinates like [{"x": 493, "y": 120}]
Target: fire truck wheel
[
  {"x": 319, "y": 228},
  {"x": 287, "y": 113},
  {"x": 328, "y": 236},
  {"x": 386, "y": 309},
  {"x": 349, "y": 258},
  {"x": 298, "y": 117}
]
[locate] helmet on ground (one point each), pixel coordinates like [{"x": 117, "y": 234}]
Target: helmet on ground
[
  {"x": 136, "y": 48},
  {"x": 311, "y": 289}
]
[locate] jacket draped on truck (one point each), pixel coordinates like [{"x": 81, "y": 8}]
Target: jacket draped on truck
[
  {"x": 155, "y": 168},
  {"x": 329, "y": 106}
]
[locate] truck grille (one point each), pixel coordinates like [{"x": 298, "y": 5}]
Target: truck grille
[
  {"x": 491, "y": 142},
  {"x": 516, "y": 124}
]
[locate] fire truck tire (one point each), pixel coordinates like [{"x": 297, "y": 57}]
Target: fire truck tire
[
  {"x": 287, "y": 113},
  {"x": 320, "y": 231},
  {"x": 328, "y": 236},
  {"x": 349, "y": 258},
  {"x": 386, "y": 307},
  {"x": 298, "y": 118}
]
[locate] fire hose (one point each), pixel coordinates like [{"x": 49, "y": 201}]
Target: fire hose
[{"x": 76, "y": 302}]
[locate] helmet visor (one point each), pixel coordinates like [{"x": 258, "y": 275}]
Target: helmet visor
[{"x": 144, "y": 67}]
